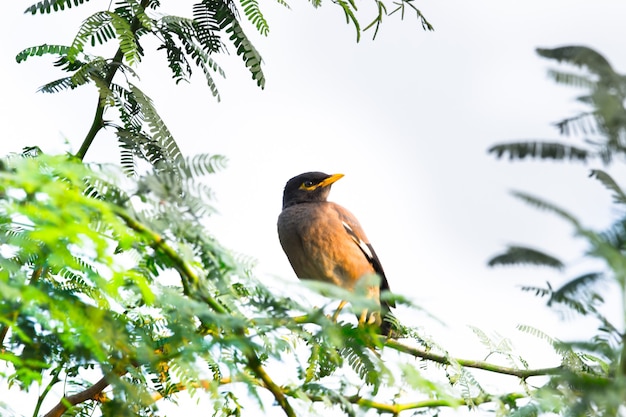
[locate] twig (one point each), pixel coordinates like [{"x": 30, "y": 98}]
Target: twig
[
  {"x": 469, "y": 363},
  {"x": 98, "y": 121},
  {"x": 55, "y": 379},
  {"x": 277, "y": 392},
  {"x": 434, "y": 403},
  {"x": 203, "y": 383}
]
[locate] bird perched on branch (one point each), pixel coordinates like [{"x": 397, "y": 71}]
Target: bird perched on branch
[{"x": 325, "y": 242}]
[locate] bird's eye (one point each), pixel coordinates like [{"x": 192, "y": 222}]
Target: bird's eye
[{"x": 308, "y": 184}]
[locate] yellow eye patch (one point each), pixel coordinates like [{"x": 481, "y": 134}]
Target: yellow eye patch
[{"x": 309, "y": 185}]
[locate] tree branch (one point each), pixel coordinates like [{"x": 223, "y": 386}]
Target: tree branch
[
  {"x": 203, "y": 383},
  {"x": 432, "y": 403},
  {"x": 55, "y": 379},
  {"x": 190, "y": 280},
  {"x": 394, "y": 408},
  {"x": 469, "y": 363},
  {"x": 270, "y": 385},
  {"x": 90, "y": 393}
]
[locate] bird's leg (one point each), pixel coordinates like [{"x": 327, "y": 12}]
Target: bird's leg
[
  {"x": 363, "y": 318},
  {"x": 339, "y": 308},
  {"x": 369, "y": 318}
]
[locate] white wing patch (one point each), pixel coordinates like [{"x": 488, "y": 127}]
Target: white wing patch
[{"x": 364, "y": 247}]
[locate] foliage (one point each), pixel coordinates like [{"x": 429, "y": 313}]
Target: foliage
[
  {"x": 115, "y": 294},
  {"x": 596, "y": 376},
  {"x": 601, "y": 126}
]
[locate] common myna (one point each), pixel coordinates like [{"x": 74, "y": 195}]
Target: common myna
[{"x": 324, "y": 241}]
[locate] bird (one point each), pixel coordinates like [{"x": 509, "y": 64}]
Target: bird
[{"x": 324, "y": 241}]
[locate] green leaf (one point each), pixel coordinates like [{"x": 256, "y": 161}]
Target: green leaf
[
  {"x": 41, "y": 50},
  {"x": 254, "y": 15},
  {"x": 544, "y": 205},
  {"x": 618, "y": 194},
  {"x": 158, "y": 129},
  {"x": 46, "y": 6},
  {"x": 578, "y": 293},
  {"x": 520, "y": 255},
  {"x": 541, "y": 150},
  {"x": 580, "y": 56}
]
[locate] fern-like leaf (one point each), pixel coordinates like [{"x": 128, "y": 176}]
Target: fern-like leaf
[
  {"x": 206, "y": 25},
  {"x": 90, "y": 72},
  {"x": 571, "y": 79},
  {"x": 65, "y": 83},
  {"x": 93, "y": 24},
  {"x": 618, "y": 194},
  {"x": 556, "y": 344},
  {"x": 202, "y": 164},
  {"x": 519, "y": 255},
  {"x": 401, "y": 7},
  {"x": 254, "y": 15},
  {"x": 41, "y": 50},
  {"x": 349, "y": 8},
  {"x": 544, "y": 205},
  {"x": 615, "y": 235},
  {"x": 159, "y": 130},
  {"x": 128, "y": 42},
  {"x": 360, "y": 360},
  {"x": 577, "y": 293},
  {"x": 541, "y": 150},
  {"x": 583, "y": 123},
  {"x": 580, "y": 56},
  {"x": 539, "y": 291},
  {"x": 245, "y": 49},
  {"x": 47, "y": 6}
]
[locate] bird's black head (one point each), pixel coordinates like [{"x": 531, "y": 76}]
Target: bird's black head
[{"x": 308, "y": 187}]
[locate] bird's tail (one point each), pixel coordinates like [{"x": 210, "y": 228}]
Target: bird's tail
[{"x": 389, "y": 322}]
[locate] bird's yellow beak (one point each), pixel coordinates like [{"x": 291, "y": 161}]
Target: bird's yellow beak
[{"x": 330, "y": 180}]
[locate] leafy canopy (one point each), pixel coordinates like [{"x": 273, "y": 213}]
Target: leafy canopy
[{"x": 115, "y": 294}]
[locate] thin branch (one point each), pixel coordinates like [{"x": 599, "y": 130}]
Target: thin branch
[
  {"x": 190, "y": 280},
  {"x": 98, "y": 121},
  {"x": 277, "y": 392},
  {"x": 203, "y": 383},
  {"x": 255, "y": 365},
  {"x": 91, "y": 393},
  {"x": 394, "y": 408},
  {"x": 55, "y": 379},
  {"x": 434, "y": 403},
  {"x": 469, "y": 363}
]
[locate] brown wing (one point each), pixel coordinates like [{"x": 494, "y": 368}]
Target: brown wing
[
  {"x": 318, "y": 247},
  {"x": 353, "y": 228}
]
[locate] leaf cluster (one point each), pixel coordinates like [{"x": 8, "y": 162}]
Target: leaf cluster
[
  {"x": 595, "y": 368},
  {"x": 123, "y": 283},
  {"x": 600, "y": 127},
  {"x": 115, "y": 293}
]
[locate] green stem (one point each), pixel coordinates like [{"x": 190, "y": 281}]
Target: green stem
[
  {"x": 98, "y": 120},
  {"x": 279, "y": 395},
  {"x": 621, "y": 280},
  {"x": 55, "y": 379},
  {"x": 396, "y": 409},
  {"x": 96, "y": 125}
]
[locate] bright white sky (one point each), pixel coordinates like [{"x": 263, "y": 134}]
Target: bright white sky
[{"x": 407, "y": 118}]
